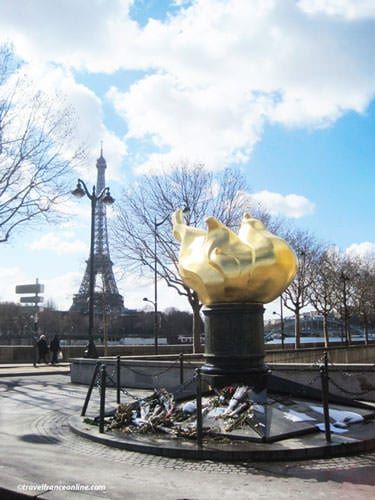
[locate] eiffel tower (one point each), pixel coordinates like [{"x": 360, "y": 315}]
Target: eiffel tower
[{"x": 106, "y": 294}]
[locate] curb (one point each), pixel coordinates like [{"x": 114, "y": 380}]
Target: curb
[
  {"x": 235, "y": 451},
  {"x": 16, "y": 495},
  {"x": 36, "y": 373}
]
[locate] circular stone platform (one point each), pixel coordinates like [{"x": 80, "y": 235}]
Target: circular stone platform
[{"x": 359, "y": 438}]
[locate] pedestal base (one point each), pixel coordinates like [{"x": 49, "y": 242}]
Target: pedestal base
[{"x": 234, "y": 352}]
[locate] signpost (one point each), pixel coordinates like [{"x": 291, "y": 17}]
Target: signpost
[
  {"x": 35, "y": 299},
  {"x": 31, "y": 300},
  {"x": 35, "y": 288}
]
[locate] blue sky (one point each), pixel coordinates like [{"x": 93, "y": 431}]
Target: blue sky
[{"x": 283, "y": 89}]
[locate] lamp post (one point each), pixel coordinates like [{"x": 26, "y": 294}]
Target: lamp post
[
  {"x": 105, "y": 197},
  {"x": 345, "y": 278},
  {"x": 157, "y": 224},
  {"x": 156, "y": 323},
  {"x": 34, "y": 334},
  {"x": 281, "y": 316}
]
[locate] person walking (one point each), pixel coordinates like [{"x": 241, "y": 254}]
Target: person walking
[
  {"x": 55, "y": 349},
  {"x": 42, "y": 349}
]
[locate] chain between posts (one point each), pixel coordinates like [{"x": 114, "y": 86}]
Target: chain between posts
[
  {"x": 100, "y": 376},
  {"x": 175, "y": 390},
  {"x": 117, "y": 371},
  {"x": 157, "y": 374},
  {"x": 350, "y": 393},
  {"x": 341, "y": 372},
  {"x": 123, "y": 389}
]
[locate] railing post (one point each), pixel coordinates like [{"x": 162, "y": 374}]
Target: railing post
[
  {"x": 88, "y": 395},
  {"x": 181, "y": 368},
  {"x": 324, "y": 379},
  {"x": 199, "y": 408},
  {"x": 103, "y": 376},
  {"x": 118, "y": 378}
]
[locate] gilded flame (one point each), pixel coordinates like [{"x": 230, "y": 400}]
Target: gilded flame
[{"x": 221, "y": 266}]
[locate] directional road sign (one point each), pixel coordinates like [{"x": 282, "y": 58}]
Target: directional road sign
[
  {"x": 31, "y": 300},
  {"x": 35, "y": 288}
]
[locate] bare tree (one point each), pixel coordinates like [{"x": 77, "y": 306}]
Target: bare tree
[
  {"x": 12, "y": 322},
  {"x": 346, "y": 278},
  {"x": 35, "y": 139},
  {"x": 297, "y": 296},
  {"x": 322, "y": 290},
  {"x": 138, "y": 232},
  {"x": 364, "y": 292}
]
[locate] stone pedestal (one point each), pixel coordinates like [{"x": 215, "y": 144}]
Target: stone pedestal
[{"x": 234, "y": 352}]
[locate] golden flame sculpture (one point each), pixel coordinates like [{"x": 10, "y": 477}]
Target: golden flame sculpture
[{"x": 254, "y": 266}]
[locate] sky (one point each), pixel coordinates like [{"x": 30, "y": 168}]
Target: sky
[{"x": 283, "y": 89}]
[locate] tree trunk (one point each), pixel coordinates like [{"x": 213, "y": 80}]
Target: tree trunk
[
  {"x": 342, "y": 332},
  {"x": 197, "y": 320},
  {"x": 325, "y": 330},
  {"x": 297, "y": 329},
  {"x": 348, "y": 335},
  {"x": 197, "y": 329},
  {"x": 366, "y": 329}
]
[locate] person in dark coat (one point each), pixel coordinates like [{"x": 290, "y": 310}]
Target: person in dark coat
[
  {"x": 55, "y": 349},
  {"x": 42, "y": 349}
]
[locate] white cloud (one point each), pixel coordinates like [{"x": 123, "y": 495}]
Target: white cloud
[
  {"x": 220, "y": 70},
  {"x": 290, "y": 205},
  {"x": 134, "y": 287},
  {"x": 60, "y": 243},
  {"x": 73, "y": 208},
  {"x": 201, "y": 124},
  {"x": 61, "y": 288},
  {"x": 226, "y": 68},
  {"x": 365, "y": 249},
  {"x": 349, "y": 9},
  {"x": 84, "y": 34},
  {"x": 10, "y": 277},
  {"x": 86, "y": 115}
]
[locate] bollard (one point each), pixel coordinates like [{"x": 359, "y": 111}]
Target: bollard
[
  {"x": 103, "y": 376},
  {"x": 118, "y": 381},
  {"x": 181, "y": 368},
  {"x": 324, "y": 379},
  {"x": 88, "y": 395},
  {"x": 199, "y": 408}
]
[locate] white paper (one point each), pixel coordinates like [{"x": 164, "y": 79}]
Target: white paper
[
  {"x": 334, "y": 429},
  {"x": 340, "y": 416},
  {"x": 296, "y": 416}
]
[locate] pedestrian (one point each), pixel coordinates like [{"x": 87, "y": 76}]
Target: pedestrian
[
  {"x": 42, "y": 349},
  {"x": 55, "y": 349}
]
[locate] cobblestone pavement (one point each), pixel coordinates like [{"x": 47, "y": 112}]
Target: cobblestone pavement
[{"x": 37, "y": 447}]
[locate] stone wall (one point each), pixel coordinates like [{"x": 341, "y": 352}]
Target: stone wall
[
  {"x": 24, "y": 354},
  {"x": 353, "y": 381},
  {"x": 338, "y": 354}
]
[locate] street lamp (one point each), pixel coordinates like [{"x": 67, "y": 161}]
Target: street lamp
[
  {"x": 345, "y": 278},
  {"x": 157, "y": 224},
  {"x": 281, "y": 316},
  {"x": 104, "y": 197},
  {"x": 156, "y": 323}
]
